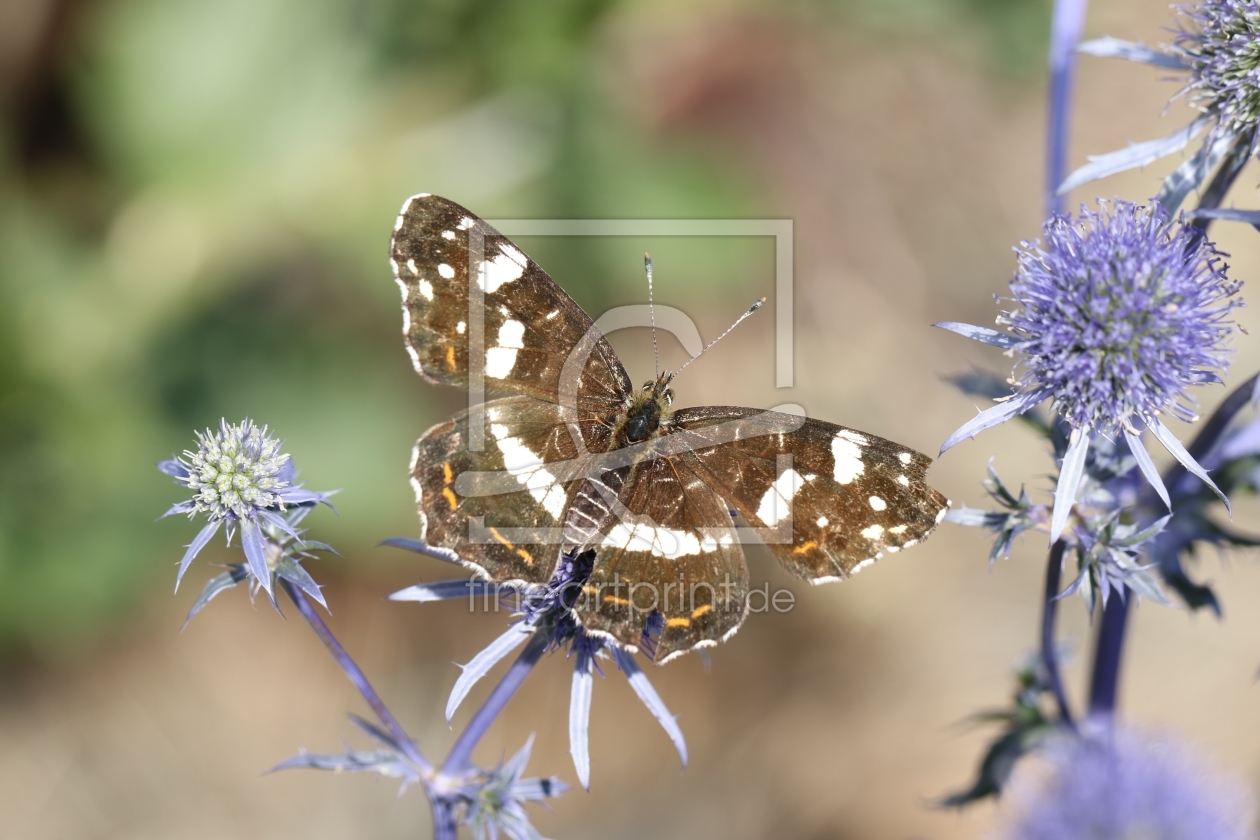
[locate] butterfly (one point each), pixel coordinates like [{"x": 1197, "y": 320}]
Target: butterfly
[{"x": 573, "y": 458}]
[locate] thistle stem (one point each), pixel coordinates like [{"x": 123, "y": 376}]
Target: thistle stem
[
  {"x": 356, "y": 675},
  {"x": 461, "y": 752},
  {"x": 445, "y": 818},
  {"x": 1106, "y": 676},
  {"x": 1065, "y": 33},
  {"x": 1050, "y": 606}
]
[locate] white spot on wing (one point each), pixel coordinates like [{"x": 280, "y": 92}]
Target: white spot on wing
[
  {"x": 500, "y": 361},
  {"x": 823, "y": 521},
  {"x": 460, "y": 327},
  {"x": 411, "y": 265},
  {"x": 448, "y": 234},
  {"x": 897, "y": 529},
  {"x": 466, "y": 222},
  {"x": 776, "y": 503},
  {"x": 905, "y": 457},
  {"x": 662, "y": 542},
  {"x": 508, "y": 265},
  {"x": 849, "y": 434},
  {"x": 848, "y": 459},
  {"x": 510, "y": 334},
  {"x": 527, "y": 468},
  {"x": 874, "y": 532},
  {"x": 446, "y": 271},
  {"x": 426, "y": 290},
  {"x": 903, "y": 481},
  {"x": 877, "y": 503}
]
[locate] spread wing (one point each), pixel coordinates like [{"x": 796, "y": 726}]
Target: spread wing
[
  {"x": 500, "y": 509},
  {"x": 478, "y": 311},
  {"x": 666, "y": 552},
  {"x": 828, "y": 500}
]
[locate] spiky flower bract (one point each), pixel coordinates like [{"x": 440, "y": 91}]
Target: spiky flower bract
[
  {"x": 1220, "y": 41},
  {"x": 547, "y": 621},
  {"x": 1123, "y": 784}
]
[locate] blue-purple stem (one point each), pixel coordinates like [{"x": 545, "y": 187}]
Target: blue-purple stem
[
  {"x": 460, "y": 756},
  {"x": 1050, "y": 607},
  {"x": 1106, "y": 676},
  {"x": 1066, "y": 26},
  {"x": 356, "y": 675}
]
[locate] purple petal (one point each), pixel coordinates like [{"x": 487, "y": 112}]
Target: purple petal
[
  {"x": 294, "y": 573},
  {"x": 187, "y": 506},
  {"x": 217, "y": 584},
  {"x": 1070, "y": 475},
  {"x": 643, "y": 688},
  {"x": 173, "y": 467},
  {"x": 990, "y": 417},
  {"x": 1179, "y": 452},
  {"x": 443, "y": 590},
  {"x": 255, "y": 545},
  {"x": 983, "y": 334},
  {"x": 423, "y": 548},
  {"x": 298, "y": 496},
  {"x": 1135, "y": 155},
  {"x": 1108, "y": 47},
  {"x": 198, "y": 543},
  {"x": 1147, "y": 466},
  {"x": 580, "y": 717},
  {"x": 481, "y": 664}
]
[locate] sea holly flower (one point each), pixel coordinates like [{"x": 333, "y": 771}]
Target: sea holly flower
[
  {"x": 546, "y": 616},
  {"x": 241, "y": 478},
  {"x": 1119, "y": 783},
  {"x": 496, "y": 798},
  {"x": 1217, "y": 46},
  {"x": 1112, "y": 321}
]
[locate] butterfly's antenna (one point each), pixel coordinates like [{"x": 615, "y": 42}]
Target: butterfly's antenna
[
  {"x": 750, "y": 311},
  {"x": 647, "y": 264}
]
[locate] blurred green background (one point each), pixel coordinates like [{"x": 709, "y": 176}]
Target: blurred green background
[{"x": 195, "y": 205}]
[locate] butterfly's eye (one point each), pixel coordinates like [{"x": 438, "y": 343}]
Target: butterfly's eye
[{"x": 647, "y": 386}]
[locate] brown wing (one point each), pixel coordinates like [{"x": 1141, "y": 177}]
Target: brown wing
[
  {"x": 513, "y": 329},
  {"x": 664, "y": 544},
  {"x": 501, "y": 510},
  {"x": 829, "y": 500}
]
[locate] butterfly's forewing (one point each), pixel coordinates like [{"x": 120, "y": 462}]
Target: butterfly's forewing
[
  {"x": 517, "y": 324},
  {"x": 835, "y": 498},
  {"x": 664, "y": 543},
  {"x": 501, "y": 509}
]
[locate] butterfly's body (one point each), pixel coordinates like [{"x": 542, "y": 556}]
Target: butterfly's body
[{"x": 576, "y": 458}]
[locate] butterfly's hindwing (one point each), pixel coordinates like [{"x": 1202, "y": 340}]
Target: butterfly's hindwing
[
  {"x": 832, "y": 499},
  {"x": 515, "y": 324},
  {"x": 501, "y": 509},
  {"x": 664, "y": 543}
]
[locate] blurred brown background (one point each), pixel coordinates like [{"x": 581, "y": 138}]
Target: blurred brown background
[{"x": 195, "y": 200}]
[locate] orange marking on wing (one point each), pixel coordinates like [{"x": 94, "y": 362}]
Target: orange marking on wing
[
  {"x": 701, "y": 610},
  {"x": 447, "y": 474},
  {"x": 805, "y": 548},
  {"x": 525, "y": 555},
  {"x": 450, "y": 498},
  {"x": 450, "y": 356},
  {"x": 502, "y": 539},
  {"x": 590, "y": 590},
  {"x": 678, "y": 622},
  {"x": 613, "y": 599}
]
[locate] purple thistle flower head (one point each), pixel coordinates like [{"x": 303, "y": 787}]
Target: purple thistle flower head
[
  {"x": 1119, "y": 315},
  {"x": 1122, "y": 784},
  {"x": 1221, "y": 45}
]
